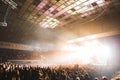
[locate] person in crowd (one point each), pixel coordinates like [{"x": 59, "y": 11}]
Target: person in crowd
[
  {"x": 86, "y": 77},
  {"x": 104, "y": 78},
  {"x": 77, "y": 78},
  {"x": 96, "y": 78}
]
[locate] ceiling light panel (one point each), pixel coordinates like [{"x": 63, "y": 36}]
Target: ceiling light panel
[
  {"x": 80, "y": 6},
  {"x": 42, "y": 4},
  {"x": 50, "y": 13},
  {"x": 49, "y": 22}
]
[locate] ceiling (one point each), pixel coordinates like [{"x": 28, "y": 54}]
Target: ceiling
[{"x": 52, "y": 21}]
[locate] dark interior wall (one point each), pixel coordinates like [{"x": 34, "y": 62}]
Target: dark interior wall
[
  {"x": 3, "y": 9},
  {"x": 10, "y": 54}
]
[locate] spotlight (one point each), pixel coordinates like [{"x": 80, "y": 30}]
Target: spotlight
[
  {"x": 11, "y": 3},
  {"x": 3, "y": 24}
]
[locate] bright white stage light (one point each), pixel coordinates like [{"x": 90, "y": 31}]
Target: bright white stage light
[
  {"x": 91, "y": 37},
  {"x": 92, "y": 52}
]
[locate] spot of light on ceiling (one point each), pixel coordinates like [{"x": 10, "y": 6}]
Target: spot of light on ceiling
[{"x": 49, "y": 22}]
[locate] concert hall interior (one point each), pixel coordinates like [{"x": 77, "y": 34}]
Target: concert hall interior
[{"x": 59, "y": 39}]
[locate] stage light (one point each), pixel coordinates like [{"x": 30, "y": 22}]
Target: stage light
[
  {"x": 70, "y": 41},
  {"x": 3, "y": 24},
  {"x": 70, "y": 47},
  {"x": 91, "y": 37},
  {"x": 83, "y": 39},
  {"x": 80, "y": 39},
  {"x": 76, "y": 40},
  {"x": 90, "y": 52},
  {"x": 11, "y": 3}
]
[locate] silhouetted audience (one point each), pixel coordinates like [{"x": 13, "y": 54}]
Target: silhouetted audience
[{"x": 10, "y": 71}]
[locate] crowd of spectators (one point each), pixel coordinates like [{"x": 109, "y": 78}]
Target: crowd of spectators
[{"x": 9, "y": 71}]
